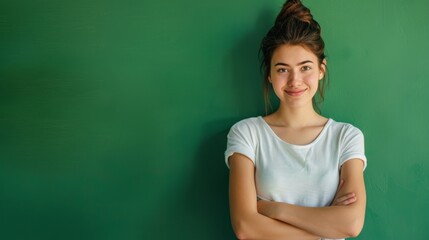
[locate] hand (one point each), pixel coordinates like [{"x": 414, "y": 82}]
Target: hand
[{"x": 343, "y": 200}]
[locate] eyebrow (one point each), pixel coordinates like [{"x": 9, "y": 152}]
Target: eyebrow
[{"x": 287, "y": 65}]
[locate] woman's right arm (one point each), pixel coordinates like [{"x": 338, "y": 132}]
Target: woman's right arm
[{"x": 246, "y": 221}]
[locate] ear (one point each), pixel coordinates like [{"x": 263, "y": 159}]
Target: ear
[
  {"x": 269, "y": 79},
  {"x": 322, "y": 69}
]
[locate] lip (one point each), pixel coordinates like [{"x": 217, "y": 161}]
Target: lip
[{"x": 295, "y": 93}]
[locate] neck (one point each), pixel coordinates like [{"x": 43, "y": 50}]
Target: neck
[{"x": 296, "y": 117}]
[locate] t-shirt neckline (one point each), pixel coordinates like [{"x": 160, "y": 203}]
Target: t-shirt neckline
[{"x": 271, "y": 132}]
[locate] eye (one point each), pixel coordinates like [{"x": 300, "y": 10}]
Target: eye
[
  {"x": 282, "y": 70},
  {"x": 305, "y": 68}
]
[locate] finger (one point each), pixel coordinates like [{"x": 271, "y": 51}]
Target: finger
[
  {"x": 345, "y": 197},
  {"x": 346, "y": 201}
]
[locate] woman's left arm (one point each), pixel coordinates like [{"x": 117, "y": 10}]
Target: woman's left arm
[{"x": 339, "y": 221}]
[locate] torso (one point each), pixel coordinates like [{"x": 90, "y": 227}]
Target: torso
[
  {"x": 292, "y": 164},
  {"x": 301, "y": 170}
]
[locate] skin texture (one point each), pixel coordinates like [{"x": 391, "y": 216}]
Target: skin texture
[{"x": 295, "y": 73}]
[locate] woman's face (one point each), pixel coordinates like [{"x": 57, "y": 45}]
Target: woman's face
[{"x": 295, "y": 74}]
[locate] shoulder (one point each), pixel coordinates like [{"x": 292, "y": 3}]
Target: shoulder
[
  {"x": 350, "y": 141},
  {"x": 344, "y": 129},
  {"x": 243, "y": 138},
  {"x": 248, "y": 124},
  {"x": 248, "y": 128}
]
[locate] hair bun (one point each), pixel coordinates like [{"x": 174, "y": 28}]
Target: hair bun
[
  {"x": 294, "y": 25},
  {"x": 294, "y": 9}
]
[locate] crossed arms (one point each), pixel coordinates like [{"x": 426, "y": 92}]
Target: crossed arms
[{"x": 253, "y": 219}]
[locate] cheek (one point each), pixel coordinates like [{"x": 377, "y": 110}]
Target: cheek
[
  {"x": 278, "y": 82},
  {"x": 276, "y": 85},
  {"x": 312, "y": 79}
]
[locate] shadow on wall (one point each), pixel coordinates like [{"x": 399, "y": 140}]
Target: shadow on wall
[
  {"x": 207, "y": 196},
  {"x": 206, "y": 200},
  {"x": 202, "y": 211},
  {"x": 243, "y": 67}
]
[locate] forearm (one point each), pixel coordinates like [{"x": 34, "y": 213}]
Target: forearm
[
  {"x": 259, "y": 227},
  {"x": 330, "y": 222}
]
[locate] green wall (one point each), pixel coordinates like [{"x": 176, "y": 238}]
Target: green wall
[{"x": 114, "y": 114}]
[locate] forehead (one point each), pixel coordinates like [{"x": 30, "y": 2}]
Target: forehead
[{"x": 292, "y": 54}]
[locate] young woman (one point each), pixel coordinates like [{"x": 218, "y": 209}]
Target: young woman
[{"x": 295, "y": 174}]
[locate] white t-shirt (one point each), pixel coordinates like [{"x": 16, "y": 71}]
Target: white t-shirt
[{"x": 305, "y": 175}]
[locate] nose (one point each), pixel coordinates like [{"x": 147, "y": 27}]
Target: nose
[{"x": 295, "y": 79}]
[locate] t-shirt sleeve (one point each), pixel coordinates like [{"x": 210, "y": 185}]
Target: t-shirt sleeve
[
  {"x": 353, "y": 146},
  {"x": 240, "y": 140}
]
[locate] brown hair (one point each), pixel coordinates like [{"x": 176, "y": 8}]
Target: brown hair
[{"x": 294, "y": 25}]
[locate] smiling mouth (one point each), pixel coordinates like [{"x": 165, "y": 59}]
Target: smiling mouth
[{"x": 295, "y": 93}]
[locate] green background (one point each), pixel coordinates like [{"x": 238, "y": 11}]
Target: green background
[{"x": 114, "y": 114}]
